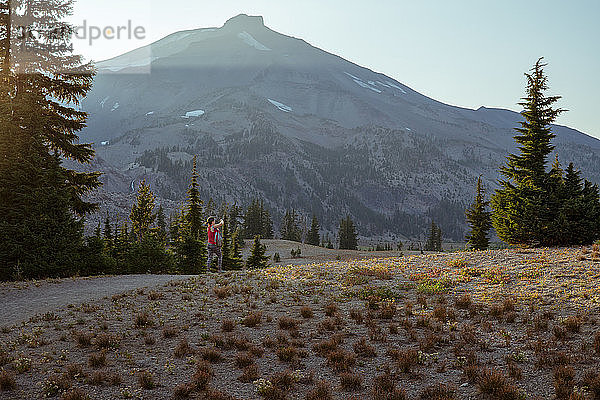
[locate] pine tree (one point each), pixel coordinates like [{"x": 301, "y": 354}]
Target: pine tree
[
  {"x": 430, "y": 244},
  {"x": 235, "y": 254},
  {"x": 266, "y": 222},
  {"x": 189, "y": 250},
  {"x": 348, "y": 237},
  {"x": 108, "y": 233},
  {"x": 479, "y": 219},
  {"x": 289, "y": 227},
  {"x": 194, "y": 206},
  {"x": 227, "y": 245},
  {"x": 253, "y": 220},
  {"x": 523, "y": 210},
  {"x": 41, "y": 84},
  {"x": 257, "y": 257},
  {"x": 142, "y": 215},
  {"x": 161, "y": 225},
  {"x": 313, "y": 234}
]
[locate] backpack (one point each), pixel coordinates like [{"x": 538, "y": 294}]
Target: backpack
[{"x": 218, "y": 238}]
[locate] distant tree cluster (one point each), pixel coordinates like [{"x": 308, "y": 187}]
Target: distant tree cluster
[
  {"x": 257, "y": 221},
  {"x": 348, "y": 235},
  {"x": 434, "y": 240}
]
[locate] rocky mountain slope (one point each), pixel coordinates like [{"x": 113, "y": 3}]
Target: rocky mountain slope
[{"x": 272, "y": 116}]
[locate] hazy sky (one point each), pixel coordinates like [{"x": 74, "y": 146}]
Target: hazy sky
[{"x": 467, "y": 53}]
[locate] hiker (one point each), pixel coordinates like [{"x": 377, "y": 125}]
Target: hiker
[{"x": 214, "y": 242}]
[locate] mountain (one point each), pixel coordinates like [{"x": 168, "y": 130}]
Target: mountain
[{"x": 272, "y": 116}]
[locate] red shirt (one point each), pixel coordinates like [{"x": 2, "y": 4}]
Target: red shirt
[{"x": 211, "y": 236}]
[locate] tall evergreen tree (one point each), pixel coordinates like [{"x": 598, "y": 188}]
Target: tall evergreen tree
[
  {"x": 227, "y": 245},
  {"x": 479, "y": 219},
  {"x": 434, "y": 239},
  {"x": 235, "y": 254},
  {"x": 257, "y": 258},
  {"x": 523, "y": 210},
  {"x": 194, "y": 205},
  {"x": 41, "y": 84},
  {"x": 161, "y": 225},
  {"x": 289, "y": 227},
  {"x": 313, "y": 234},
  {"x": 142, "y": 213},
  {"x": 266, "y": 222},
  {"x": 347, "y": 235}
]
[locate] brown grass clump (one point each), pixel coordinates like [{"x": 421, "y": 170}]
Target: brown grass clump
[
  {"x": 155, "y": 295},
  {"x": 249, "y": 374},
  {"x": 341, "y": 361},
  {"x": 327, "y": 345},
  {"x": 387, "y": 310},
  {"x": 284, "y": 380},
  {"x": 106, "y": 341},
  {"x": 306, "y": 312},
  {"x": 183, "y": 348},
  {"x": 440, "y": 313},
  {"x": 228, "y": 325},
  {"x": 464, "y": 302},
  {"x": 439, "y": 391},
  {"x": 287, "y": 354},
  {"x": 321, "y": 392},
  {"x": 169, "y": 332},
  {"x": 74, "y": 370},
  {"x": 7, "y": 381},
  {"x": 211, "y": 354},
  {"x": 350, "y": 381},
  {"x": 243, "y": 359},
  {"x": 573, "y": 323},
  {"x": 202, "y": 376},
  {"x": 183, "y": 391},
  {"x": 143, "y": 319},
  {"x": 83, "y": 339},
  {"x": 596, "y": 343},
  {"x": 97, "y": 360},
  {"x": 149, "y": 340},
  {"x": 406, "y": 359},
  {"x": 253, "y": 319},
  {"x": 363, "y": 349},
  {"x": 494, "y": 383},
  {"x": 384, "y": 388},
  {"x": 564, "y": 381},
  {"x": 146, "y": 380},
  {"x": 331, "y": 309},
  {"x": 75, "y": 394},
  {"x": 287, "y": 323},
  {"x": 222, "y": 292},
  {"x": 356, "y": 315}
]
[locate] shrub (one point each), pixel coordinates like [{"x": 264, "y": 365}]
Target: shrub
[
  {"x": 183, "y": 348},
  {"x": 243, "y": 359},
  {"x": 7, "y": 381},
  {"x": 169, "y": 332},
  {"x": 146, "y": 380},
  {"x": 494, "y": 383},
  {"x": 75, "y": 394},
  {"x": 253, "y": 319},
  {"x": 287, "y": 354},
  {"x": 143, "y": 319},
  {"x": 227, "y": 325},
  {"x": 439, "y": 391},
  {"x": 340, "y": 360},
  {"x": 97, "y": 360},
  {"x": 564, "y": 381},
  {"x": 211, "y": 354},
  {"x": 202, "y": 375},
  {"x": 306, "y": 312},
  {"x": 573, "y": 323},
  {"x": 321, "y": 392},
  {"x": 464, "y": 302},
  {"x": 286, "y": 322},
  {"x": 363, "y": 349},
  {"x": 221, "y": 292},
  {"x": 331, "y": 309},
  {"x": 105, "y": 341},
  {"x": 384, "y": 388},
  {"x": 350, "y": 381},
  {"x": 250, "y": 374},
  {"x": 183, "y": 391}
]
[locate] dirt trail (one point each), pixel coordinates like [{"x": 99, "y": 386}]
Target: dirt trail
[{"x": 19, "y": 302}]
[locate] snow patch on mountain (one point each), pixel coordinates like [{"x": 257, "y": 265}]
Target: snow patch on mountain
[
  {"x": 115, "y": 106},
  {"x": 150, "y": 113},
  {"x": 281, "y": 106},
  {"x": 103, "y": 101},
  {"x": 392, "y": 84},
  {"x": 250, "y": 41},
  {"x": 361, "y": 83},
  {"x": 195, "y": 113}
]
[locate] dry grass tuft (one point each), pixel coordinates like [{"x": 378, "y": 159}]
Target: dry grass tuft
[
  {"x": 321, "y": 392},
  {"x": 7, "y": 381},
  {"x": 253, "y": 319},
  {"x": 146, "y": 380},
  {"x": 306, "y": 312},
  {"x": 228, "y": 325}
]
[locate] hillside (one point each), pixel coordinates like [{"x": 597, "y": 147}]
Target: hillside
[
  {"x": 463, "y": 325},
  {"x": 271, "y": 116}
]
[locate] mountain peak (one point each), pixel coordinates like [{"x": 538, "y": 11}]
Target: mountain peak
[{"x": 243, "y": 22}]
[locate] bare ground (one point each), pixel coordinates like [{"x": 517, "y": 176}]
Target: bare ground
[{"x": 502, "y": 324}]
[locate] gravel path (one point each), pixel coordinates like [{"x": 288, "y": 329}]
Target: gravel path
[{"x": 18, "y": 304}]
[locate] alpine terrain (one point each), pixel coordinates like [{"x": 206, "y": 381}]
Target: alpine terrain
[{"x": 271, "y": 116}]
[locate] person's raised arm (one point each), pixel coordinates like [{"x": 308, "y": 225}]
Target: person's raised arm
[{"x": 220, "y": 224}]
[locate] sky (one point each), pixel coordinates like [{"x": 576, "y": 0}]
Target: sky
[{"x": 467, "y": 53}]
